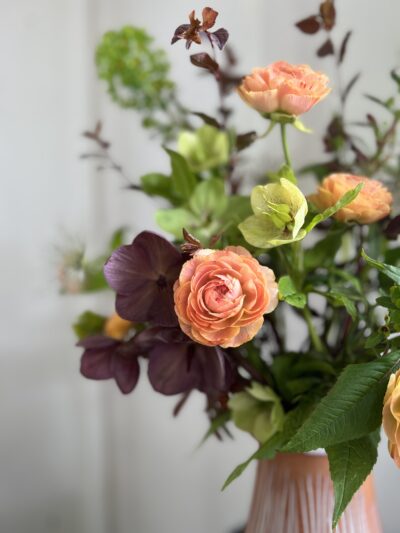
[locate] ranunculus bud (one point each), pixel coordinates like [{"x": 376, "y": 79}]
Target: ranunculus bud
[
  {"x": 285, "y": 88},
  {"x": 257, "y": 410},
  {"x": 222, "y": 295},
  {"x": 391, "y": 416},
  {"x": 372, "y": 203},
  {"x": 204, "y": 148},
  {"x": 279, "y": 213},
  {"x": 117, "y": 327}
]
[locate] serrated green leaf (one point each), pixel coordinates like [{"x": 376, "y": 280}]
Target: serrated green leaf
[
  {"x": 390, "y": 271},
  {"x": 344, "y": 200},
  {"x": 351, "y": 409},
  {"x": 374, "y": 340},
  {"x": 183, "y": 179},
  {"x": 289, "y": 293},
  {"x": 350, "y": 463},
  {"x": 292, "y": 422},
  {"x": 339, "y": 299}
]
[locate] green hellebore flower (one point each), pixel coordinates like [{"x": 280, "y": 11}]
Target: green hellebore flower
[
  {"x": 204, "y": 148},
  {"x": 258, "y": 411},
  {"x": 279, "y": 213}
]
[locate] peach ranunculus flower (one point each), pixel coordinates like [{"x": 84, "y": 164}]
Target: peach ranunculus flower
[
  {"x": 222, "y": 295},
  {"x": 281, "y": 87},
  {"x": 372, "y": 203},
  {"x": 391, "y": 416},
  {"x": 117, "y": 327}
]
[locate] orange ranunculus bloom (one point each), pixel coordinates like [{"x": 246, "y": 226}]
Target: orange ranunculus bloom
[
  {"x": 292, "y": 89},
  {"x": 222, "y": 295},
  {"x": 372, "y": 203},
  {"x": 116, "y": 327},
  {"x": 391, "y": 416}
]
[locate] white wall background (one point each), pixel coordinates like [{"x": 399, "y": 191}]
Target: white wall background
[{"x": 76, "y": 456}]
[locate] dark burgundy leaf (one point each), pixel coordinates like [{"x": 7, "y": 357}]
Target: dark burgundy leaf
[
  {"x": 349, "y": 86},
  {"x": 96, "y": 364},
  {"x": 169, "y": 369},
  {"x": 219, "y": 37},
  {"x": 326, "y": 49},
  {"x": 126, "y": 372},
  {"x": 328, "y": 14},
  {"x": 245, "y": 139},
  {"x": 209, "y": 16},
  {"x": 392, "y": 230},
  {"x": 203, "y": 60},
  {"x": 180, "y": 32},
  {"x": 207, "y": 119},
  {"x": 309, "y": 25},
  {"x": 343, "y": 46}
]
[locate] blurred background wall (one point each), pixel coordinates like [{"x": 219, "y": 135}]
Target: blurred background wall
[{"x": 77, "y": 456}]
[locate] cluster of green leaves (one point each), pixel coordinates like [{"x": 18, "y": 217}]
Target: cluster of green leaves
[
  {"x": 201, "y": 206},
  {"x": 137, "y": 76}
]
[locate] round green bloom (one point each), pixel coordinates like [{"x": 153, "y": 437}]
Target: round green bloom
[
  {"x": 279, "y": 213},
  {"x": 205, "y": 148},
  {"x": 258, "y": 411}
]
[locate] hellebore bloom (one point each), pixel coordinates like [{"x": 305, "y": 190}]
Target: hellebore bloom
[
  {"x": 205, "y": 148},
  {"x": 279, "y": 213},
  {"x": 143, "y": 274},
  {"x": 177, "y": 364},
  {"x": 105, "y": 358},
  {"x": 285, "y": 88},
  {"x": 258, "y": 411},
  {"x": 372, "y": 203},
  {"x": 221, "y": 296}
]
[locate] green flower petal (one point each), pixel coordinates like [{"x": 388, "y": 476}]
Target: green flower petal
[{"x": 204, "y": 148}]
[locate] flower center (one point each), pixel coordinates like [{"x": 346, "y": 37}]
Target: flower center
[
  {"x": 162, "y": 282},
  {"x": 222, "y": 293}
]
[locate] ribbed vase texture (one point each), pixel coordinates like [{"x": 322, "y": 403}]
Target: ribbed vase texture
[{"x": 294, "y": 494}]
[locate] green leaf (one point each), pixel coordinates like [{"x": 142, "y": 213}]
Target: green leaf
[
  {"x": 94, "y": 279},
  {"x": 301, "y": 127},
  {"x": 209, "y": 199},
  {"x": 289, "y": 293},
  {"x": 389, "y": 270},
  {"x": 375, "y": 339},
  {"x": 174, "y": 220},
  {"x": 88, "y": 323},
  {"x": 344, "y": 200},
  {"x": 155, "y": 184},
  {"x": 350, "y": 463},
  {"x": 117, "y": 239},
  {"x": 339, "y": 299},
  {"x": 218, "y": 422},
  {"x": 322, "y": 253},
  {"x": 183, "y": 179},
  {"x": 351, "y": 409},
  {"x": 292, "y": 422}
]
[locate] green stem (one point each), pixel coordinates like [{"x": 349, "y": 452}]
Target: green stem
[
  {"x": 316, "y": 341},
  {"x": 285, "y": 145}
]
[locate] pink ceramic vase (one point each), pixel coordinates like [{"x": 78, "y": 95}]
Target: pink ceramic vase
[{"x": 294, "y": 494}]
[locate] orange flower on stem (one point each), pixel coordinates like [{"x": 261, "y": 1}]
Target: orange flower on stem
[
  {"x": 372, "y": 203},
  {"x": 391, "y": 416},
  {"x": 285, "y": 88},
  {"x": 222, "y": 295}
]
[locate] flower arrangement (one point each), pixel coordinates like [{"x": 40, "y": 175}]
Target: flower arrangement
[{"x": 208, "y": 309}]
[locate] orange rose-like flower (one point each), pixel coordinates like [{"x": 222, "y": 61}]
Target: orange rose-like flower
[
  {"x": 391, "y": 416},
  {"x": 222, "y": 295},
  {"x": 372, "y": 203},
  {"x": 291, "y": 89}
]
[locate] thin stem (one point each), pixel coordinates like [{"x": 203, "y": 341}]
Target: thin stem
[
  {"x": 285, "y": 146},
  {"x": 316, "y": 341}
]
